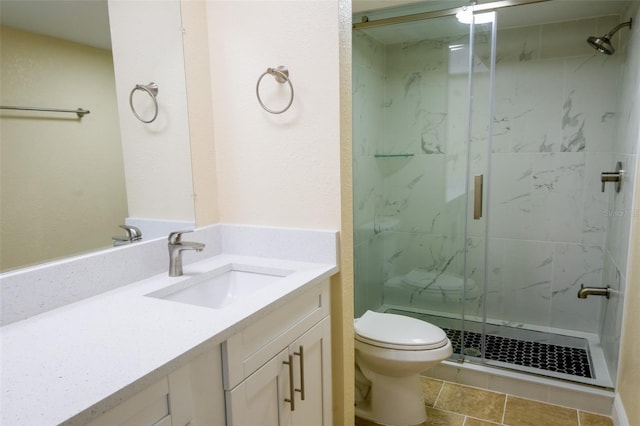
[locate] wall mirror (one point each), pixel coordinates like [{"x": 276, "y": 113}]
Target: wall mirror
[{"x": 67, "y": 182}]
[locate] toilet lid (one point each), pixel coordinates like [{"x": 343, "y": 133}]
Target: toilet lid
[{"x": 398, "y": 332}]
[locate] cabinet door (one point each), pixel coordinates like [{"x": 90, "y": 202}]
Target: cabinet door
[
  {"x": 259, "y": 399},
  {"x": 312, "y": 376}
]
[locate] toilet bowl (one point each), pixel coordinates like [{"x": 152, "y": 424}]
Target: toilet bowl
[{"x": 391, "y": 352}]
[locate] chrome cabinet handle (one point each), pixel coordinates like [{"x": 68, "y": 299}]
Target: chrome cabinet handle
[
  {"x": 301, "y": 355},
  {"x": 291, "y": 400},
  {"x": 477, "y": 197}
]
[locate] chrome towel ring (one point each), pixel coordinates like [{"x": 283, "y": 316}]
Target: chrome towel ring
[
  {"x": 152, "y": 90},
  {"x": 281, "y": 74}
]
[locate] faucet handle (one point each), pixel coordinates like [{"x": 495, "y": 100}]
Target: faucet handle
[
  {"x": 613, "y": 177},
  {"x": 176, "y": 236}
]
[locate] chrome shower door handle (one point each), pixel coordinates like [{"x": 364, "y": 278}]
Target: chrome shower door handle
[{"x": 477, "y": 196}]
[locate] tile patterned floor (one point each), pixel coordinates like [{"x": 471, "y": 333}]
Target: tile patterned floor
[{"x": 451, "y": 404}]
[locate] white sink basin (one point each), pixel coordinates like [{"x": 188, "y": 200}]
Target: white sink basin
[{"x": 221, "y": 287}]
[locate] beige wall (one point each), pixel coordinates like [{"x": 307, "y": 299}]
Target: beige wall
[
  {"x": 629, "y": 370},
  {"x": 276, "y": 169},
  {"x": 344, "y": 309},
  {"x": 290, "y": 169},
  {"x": 62, "y": 180},
  {"x": 201, "y": 120}
]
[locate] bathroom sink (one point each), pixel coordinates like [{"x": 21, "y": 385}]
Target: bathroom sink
[{"x": 221, "y": 287}]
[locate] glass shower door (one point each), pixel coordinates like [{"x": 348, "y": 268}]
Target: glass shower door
[
  {"x": 481, "y": 64},
  {"x": 418, "y": 251}
]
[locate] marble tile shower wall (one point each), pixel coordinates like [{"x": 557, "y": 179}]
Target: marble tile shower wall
[{"x": 555, "y": 127}]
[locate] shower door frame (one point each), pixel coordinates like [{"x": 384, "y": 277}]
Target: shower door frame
[{"x": 479, "y": 195}]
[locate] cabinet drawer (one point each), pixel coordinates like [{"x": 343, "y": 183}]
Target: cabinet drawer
[
  {"x": 246, "y": 351},
  {"x": 148, "y": 407},
  {"x": 165, "y": 403}
]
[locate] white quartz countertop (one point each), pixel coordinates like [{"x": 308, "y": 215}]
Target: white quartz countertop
[{"x": 75, "y": 362}]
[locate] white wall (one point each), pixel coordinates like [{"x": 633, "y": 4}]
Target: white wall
[
  {"x": 147, "y": 46},
  {"x": 282, "y": 169}
]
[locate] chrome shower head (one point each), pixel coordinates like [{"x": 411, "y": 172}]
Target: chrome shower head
[{"x": 603, "y": 44}]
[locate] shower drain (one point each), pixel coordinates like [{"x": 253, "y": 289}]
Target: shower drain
[{"x": 472, "y": 352}]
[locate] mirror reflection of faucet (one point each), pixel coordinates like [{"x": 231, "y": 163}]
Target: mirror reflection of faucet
[
  {"x": 133, "y": 234},
  {"x": 593, "y": 291},
  {"x": 176, "y": 247}
]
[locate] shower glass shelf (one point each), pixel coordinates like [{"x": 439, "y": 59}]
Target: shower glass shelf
[{"x": 393, "y": 155}]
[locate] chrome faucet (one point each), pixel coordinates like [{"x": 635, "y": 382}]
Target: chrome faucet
[
  {"x": 593, "y": 291},
  {"x": 133, "y": 234},
  {"x": 176, "y": 247}
]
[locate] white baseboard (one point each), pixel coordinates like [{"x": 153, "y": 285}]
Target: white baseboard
[{"x": 619, "y": 415}]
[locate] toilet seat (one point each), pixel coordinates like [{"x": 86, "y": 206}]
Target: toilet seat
[{"x": 399, "y": 332}]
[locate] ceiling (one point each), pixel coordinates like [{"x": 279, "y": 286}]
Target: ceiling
[
  {"x": 81, "y": 21},
  {"x": 87, "y": 21}
]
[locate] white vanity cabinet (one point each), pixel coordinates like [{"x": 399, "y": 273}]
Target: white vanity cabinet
[
  {"x": 270, "y": 365},
  {"x": 165, "y": 403},
  {"x": 275, "y": 370},
  {"x": 191, "y": 395}
]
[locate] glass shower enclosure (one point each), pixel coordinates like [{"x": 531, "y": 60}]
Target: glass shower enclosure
[{"x": 475, "y": 204}]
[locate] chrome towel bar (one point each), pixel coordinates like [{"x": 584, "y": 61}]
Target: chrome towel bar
[{"x": 79, "y": 112}]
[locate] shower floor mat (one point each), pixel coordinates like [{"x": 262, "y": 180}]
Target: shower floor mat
[{"x": 517, "y": 347}]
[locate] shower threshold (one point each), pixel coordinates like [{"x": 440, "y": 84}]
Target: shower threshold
[{"x": 557, "y": 354}]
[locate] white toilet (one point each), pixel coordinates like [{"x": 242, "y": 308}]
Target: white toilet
[{"x": 391, "y": 352}]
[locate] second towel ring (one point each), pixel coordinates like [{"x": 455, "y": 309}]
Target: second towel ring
[
  {"x": 152, "y": 91},
  {"x": 281, "y": 74}
]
